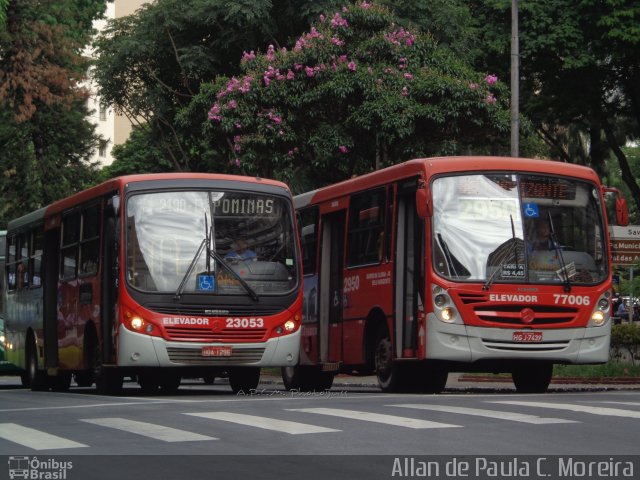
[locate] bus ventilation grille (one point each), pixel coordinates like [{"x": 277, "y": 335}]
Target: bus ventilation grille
[
  {"x": 208, "y": 335},
  {"x": 193, "y": 356}
]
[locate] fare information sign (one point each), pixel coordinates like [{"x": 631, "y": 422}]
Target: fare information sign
[{"x": 625, "y": 245}]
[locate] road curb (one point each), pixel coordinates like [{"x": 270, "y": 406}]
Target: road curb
[{"x": 557, "y": 380}]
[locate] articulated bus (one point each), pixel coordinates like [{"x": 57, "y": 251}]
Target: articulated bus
[
  {"x": 141, "y": 277},
  {"x": 436, "y": 265}
]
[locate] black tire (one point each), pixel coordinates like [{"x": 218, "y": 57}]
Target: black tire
[
  {"x": 428, "y": 377},
  {"x": 244, "y": 379},
  {"x": 149, "y": 382},
  {"x": 170, "y": 382},
  {"x": 37, "y": 379},
  {"x": 532, "y": 378},
  {"x": 61, "y": 382},
  {"x": 209, "y": 379},
  {"x": 305, "y": 378},
  {"x": 291, "y": 377},
  {"x": 108, "y": 381},
  {"x": 84, "y": 378},
  {"x": 388, "y": 371}
]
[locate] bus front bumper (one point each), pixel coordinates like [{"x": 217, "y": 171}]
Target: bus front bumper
[
  {"x": 138, "y": 350},
  {"x": 464, "y": 343}
]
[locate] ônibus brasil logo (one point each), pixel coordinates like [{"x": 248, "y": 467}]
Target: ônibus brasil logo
[{"x": 36, "y": 469}]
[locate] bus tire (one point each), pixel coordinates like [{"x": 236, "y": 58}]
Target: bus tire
[
  {"x": 149, "y": 382},
  {"x": 37, "y": 379},
  {"x": 244, "y": 379},
  {"x": 429, "y": 378},
  {"x": 388, "y": 371},
  {"x": 532, "y": 377},
  {"x": 291, "y": 377},
  {"x": 170, "y": 383},
  {"x": 209, "y": 379},
  {"x": 108, "y": 381},
  {"x": 61, "y": 382}
]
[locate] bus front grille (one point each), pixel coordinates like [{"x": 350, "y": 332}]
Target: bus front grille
[
  {"x": 506, "y": 346},
  {"x": 511, "y": 315},
  {"x": 208, "y": 335},
  {"x": 193, "y": 356}
]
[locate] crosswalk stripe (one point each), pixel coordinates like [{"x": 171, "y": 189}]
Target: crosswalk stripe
[
  {"x": 35, "y": 439},
  {"x": 284, "y": 426},
  {"x": 605, "y": 411},
  {"x": 479, "y": 412},
  {"x": 631, "y": 404},
  {"x": 158, "y": 432},
  {"x": 375, "y": 417}
]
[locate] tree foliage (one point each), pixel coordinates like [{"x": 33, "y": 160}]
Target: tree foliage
[
  {"x": 579, "y": 77},
  {"x": 46, "y": 137},
  {"x": 357, "y": 91}
]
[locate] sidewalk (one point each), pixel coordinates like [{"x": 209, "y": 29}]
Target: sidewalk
[{"x": 464, "y": 381}]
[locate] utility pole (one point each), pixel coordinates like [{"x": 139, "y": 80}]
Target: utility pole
[{"x": 515, "y": 81}]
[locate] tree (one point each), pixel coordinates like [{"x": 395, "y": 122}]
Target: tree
[
  {"x": 580, "y": 74},
  {"x": 356, "y": 92},
  {"x": 46, "y": 137},
  {"x": 152, "y": 64}
]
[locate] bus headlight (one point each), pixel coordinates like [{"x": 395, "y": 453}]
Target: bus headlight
[
  {"x": 137, "y": 323},
  {"x": 440, "y": 300},
  {"x": 448, "y": 315},
  {"x": 598, "y": 318},
  {"x": 289, "y": 326}
]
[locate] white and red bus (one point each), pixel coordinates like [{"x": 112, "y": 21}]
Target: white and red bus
[
  {"x": 142, "y": 276},
  {"x": 434, "y": 266}
]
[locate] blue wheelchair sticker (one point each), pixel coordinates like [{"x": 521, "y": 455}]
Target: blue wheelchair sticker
[
  {"x": 531, "y": 210},
  {"x": 206, "y": 283}
]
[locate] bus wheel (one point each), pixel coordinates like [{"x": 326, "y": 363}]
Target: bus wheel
[
  {"x": 387, "y": 370},
  {"x": 429, "y": 378},
  {"x": 244, "y": 379},
  {"x": 149, "y": 382},
  {"x": 83, "y": 379},
  {"x": 37, "y": 379},
  {"x": 209, "y": 379},
  {"x": 170, "y": 383},
  {"x": 532, "y": 377},
  {"x": 61, "y": 382},
  {"x": 292, "y": 377},
  {"x": 108, "y": 381}
]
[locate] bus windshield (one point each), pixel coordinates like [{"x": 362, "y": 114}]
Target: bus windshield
[
  {"x": 250, "y": 238},
  {"x": 518, "y": 228}
]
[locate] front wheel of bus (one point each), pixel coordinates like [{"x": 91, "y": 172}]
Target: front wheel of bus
[
  {"x": 387, "y": 371},
  {"x": 532, "y": 378},
  {"x": 108, "y": 381},
  {"x": 244, "y": 379},
  {"x": 36, "y": 378}
]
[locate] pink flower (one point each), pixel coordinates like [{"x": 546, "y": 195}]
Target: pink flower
[
  {"x": 322, "y": 18},
  {"x": 491, "y": 79},
  {"x": 267, "y": 80},
  {"x": 408, "y": 76},
  {"x": 310, "y": 71},
  {"x": 248, "y": 56},
  {"x": 365, "y": 5},
  {"x": 297, "y": 66},
  {"x": 490, "y": 99},
  {"x": 337, "y": 41},
  {"x": 238, "y": 125},
  {"x": 232, "y": 104},
  {"x": 473, "y": 86},
  {"x": 352, "y": 66},
  {"x": 405, "y": 91},
  {"x": 342, "y": 58},
  {"x": 343, "y": 149},
  {"x": 290, "y": 75},
  {"x": 237, "y": 162},
  {"x": 271, "y": 52}
]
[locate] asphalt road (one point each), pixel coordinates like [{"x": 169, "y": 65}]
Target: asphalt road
[{"x": 208, "y": 432}]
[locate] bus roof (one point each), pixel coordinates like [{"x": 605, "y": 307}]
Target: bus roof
[
  {"x": 116, "y": 183},
  {"x": 428, "y": 167}
]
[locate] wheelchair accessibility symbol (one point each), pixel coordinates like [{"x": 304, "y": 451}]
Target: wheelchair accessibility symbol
[{"x": 531, "y": 210}]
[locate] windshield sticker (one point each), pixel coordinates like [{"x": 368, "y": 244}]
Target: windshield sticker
[
  {"x": 513, "y": 270},
  {"x": 531, "y": 210},
  {"x": 569, "y": 271},
  {"x": 206, "y": 282}
]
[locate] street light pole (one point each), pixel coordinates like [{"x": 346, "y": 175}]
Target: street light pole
[{"x": 515, "y": 81}]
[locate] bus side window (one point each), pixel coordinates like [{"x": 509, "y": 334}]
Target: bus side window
[
  {"x": 90, "y": 241},
  {"x": 69, "y": 250},
  {"x": 366, "y": 228}
]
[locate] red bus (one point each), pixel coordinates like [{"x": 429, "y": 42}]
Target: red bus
[
  {"x": 433, "y": 266},
  {"x": 155, "y": 277}
]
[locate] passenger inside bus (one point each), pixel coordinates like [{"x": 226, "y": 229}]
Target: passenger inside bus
[{"x": 241, "y": 251}]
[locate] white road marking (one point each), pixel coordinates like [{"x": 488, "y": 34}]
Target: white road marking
[
  {"x": 604, "y": 411},
  {"x": 293, "y": 428},
  {"x": 479, "y": 412},
  {"x": 375, "y": 417},
  {"x": 35, "y": 439},
  {"x": 151, "y": 430}
]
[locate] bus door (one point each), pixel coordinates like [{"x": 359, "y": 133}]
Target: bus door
[
  {"x": 409, "y": 271},
  {"x": 50, "y": 268},
  {"x": 331, "y": 274},
  {"x": 109, "y": 278}
]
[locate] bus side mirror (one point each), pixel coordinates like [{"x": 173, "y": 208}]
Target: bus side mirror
[
  {"x": 622, "y": 212},
  {"x": 622, "y": 208},
  {"x": 423, "y": 204}
]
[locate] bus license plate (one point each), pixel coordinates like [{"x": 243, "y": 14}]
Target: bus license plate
[
  {"x": 527, "y": 337},
  {"x": 216, "y": 351}
]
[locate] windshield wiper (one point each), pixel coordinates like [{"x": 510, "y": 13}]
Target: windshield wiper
[
  {"x": 558, "y": 248},
  {"x": 211, "y": 253},
  {"x": 513, "y": 250}
]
